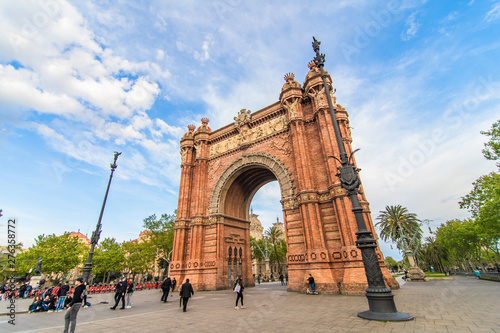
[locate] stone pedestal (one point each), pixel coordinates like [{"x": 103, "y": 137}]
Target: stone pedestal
[
  {"x": 415, "y": 273},
  {"x": 35, "y": 280}
]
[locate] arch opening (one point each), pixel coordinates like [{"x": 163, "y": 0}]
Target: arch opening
[{"x": 242, "y": 190}]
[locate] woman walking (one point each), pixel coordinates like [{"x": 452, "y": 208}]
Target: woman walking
[
  {"x": 238, "y": 288},
  {"x": 130, "y": 291}
]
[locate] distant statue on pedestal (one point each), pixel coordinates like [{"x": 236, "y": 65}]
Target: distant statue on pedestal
[{"x": 38, "y": 267}]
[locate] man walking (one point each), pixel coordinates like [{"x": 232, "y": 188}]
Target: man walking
[
  {"x": 121, "y": 289},
  {"x": 174, "y": 282},
  {"x": 74, "y": 307},
  {"x": 185, "y": 293},
  {"x": 165, "y": 286}
]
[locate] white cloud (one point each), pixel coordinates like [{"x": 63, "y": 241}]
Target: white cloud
[
  {"x": 61, "y": 68},
  {"x": 412, "y": 27},
  {"x": 494, "y": 13}
]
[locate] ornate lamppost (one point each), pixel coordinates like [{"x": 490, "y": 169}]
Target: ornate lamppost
[
  {"x": 380, "y": 297},
  {"x": 97, "y": 233}
]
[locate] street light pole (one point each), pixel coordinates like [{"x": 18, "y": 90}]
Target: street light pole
[
  {"x": 380, "y": 298},
  {"x": 97, "y": 233}
]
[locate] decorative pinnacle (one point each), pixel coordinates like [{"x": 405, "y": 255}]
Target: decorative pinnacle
[
  {"x": 289, "y": 77},
  {"x": 311, "y": 64},
  {"x": 204, "y": 121},
  {"x": 191, "y": 128},
  {"x": 320, "y": 58},
  {"x": 113, "y": 166}
]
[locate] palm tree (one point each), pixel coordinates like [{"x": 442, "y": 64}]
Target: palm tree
[
  {"x": 432, "y": 254},
  {"x": 399, "y": 226},
  {"x": 274, "y": 235}
]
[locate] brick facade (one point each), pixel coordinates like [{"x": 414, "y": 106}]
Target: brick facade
[{"x": 289, "y": 141}]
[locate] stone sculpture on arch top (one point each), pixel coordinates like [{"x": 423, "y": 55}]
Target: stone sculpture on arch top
[{"x": 289, "y": 141}]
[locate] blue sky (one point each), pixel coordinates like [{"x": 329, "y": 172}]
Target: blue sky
[{"x": 79, "y": 80}]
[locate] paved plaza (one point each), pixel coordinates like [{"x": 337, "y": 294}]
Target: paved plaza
[{"x": 464, "y": 304}]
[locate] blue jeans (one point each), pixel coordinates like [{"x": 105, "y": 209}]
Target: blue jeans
[
  {"x": 312, "y": 286},
  {"x": 60, "y": 303}
]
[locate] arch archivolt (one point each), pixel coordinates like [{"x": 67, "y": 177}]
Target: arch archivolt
[{"x": 245, "y": 162}]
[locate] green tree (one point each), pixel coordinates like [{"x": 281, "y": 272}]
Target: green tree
[
  {"x": 261, "y": 248},
  {"x": 484, "y": 200},
  {"x": 397, "y": 225},
  {"x": 275, "y": 235},
  {"x": 279, "y": 255},
  {"x": 60, "y": 254},
  {"x": 140, "y": 257},
  {"x": 7, "y": 260},
  {"x": 492, "y": 147},
  {"x": 390, "y": 263},
  {"x": 108, "y": 257},
  {"x": 486, "y": 189},
  {"x": 432, "y": 254},
  {"x": 461, "y": 241},
  {"x": 161, "y": 235}
]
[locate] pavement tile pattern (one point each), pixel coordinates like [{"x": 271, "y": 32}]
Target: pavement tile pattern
[{"x": 464, "y": 304}]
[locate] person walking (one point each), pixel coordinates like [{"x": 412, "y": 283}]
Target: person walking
[
  {"x": 282, "y": 279},
  {"x": 74, "y": 307},
  {"x": 121, "y": 289},
  {"x": 258, "y": 278},
  {"x": 286, "y": 279},
  {"x": 165, "y": 286},
  {"x": 310, "y": 280},
  {"x": 238, "y": 288},
  {"x": 61, "y": 296},
  {"x": 186, "y": 292},
  {"x": 130, "y": 291},
  {"x": 174, "y": 282}
]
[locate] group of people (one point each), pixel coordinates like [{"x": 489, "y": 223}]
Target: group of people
[
  {"x": 52, "y": 299},
  {"x": 167, "y": 285},
  {"x": 124, "y": 287},
  {"x": 185, "y": 291},
  {"x": 283, "y": 279}
]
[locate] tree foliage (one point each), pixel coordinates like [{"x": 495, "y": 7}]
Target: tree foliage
[
  {"x": 492, "y": 147},
  {"x": 108, "y": 257},
  {"x": 161, "y": 234},
  {"x": 390, "y": 263},
  {"x": 274, "y": 234},
  {"x": 59, "y": 254},
  {"x": 399, "y": 226},
  {"x": 140, "y": 257}
]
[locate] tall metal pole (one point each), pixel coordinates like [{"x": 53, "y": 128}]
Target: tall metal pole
[
  {"x": 97, "y": 233},
  {"x": 380, "y": 298}
]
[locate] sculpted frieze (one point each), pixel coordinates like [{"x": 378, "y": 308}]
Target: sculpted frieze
[{"x": 248, "y": 135}]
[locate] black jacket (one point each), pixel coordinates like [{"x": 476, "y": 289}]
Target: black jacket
[
  {"x": 63, "y": 291},
  {"x": 240, "y": 281},
  {"x": 166, "y": 284},
  {"x": 77, "y": 295},
  {"x": 186, "y": 290},
  {"x": 121, "y": 287}
]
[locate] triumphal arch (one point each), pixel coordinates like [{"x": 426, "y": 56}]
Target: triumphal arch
[{"x": 291, "y": 141}]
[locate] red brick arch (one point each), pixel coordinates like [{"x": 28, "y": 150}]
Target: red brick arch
[
  {"x": 249, "y": 172},
  {"x": 290, "y": 141}
]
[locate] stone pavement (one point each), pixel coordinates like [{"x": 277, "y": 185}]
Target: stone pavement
[{"x": 464, "y": 304}]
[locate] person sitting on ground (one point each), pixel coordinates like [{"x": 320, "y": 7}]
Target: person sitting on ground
[
  {"x": 52, "y": 304},
  {"x": 35, "y": 306},
  {"x": 45, "y": 303},
  {"x": 28, "y": 290},
  {"x": 68, "y": 300}
]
